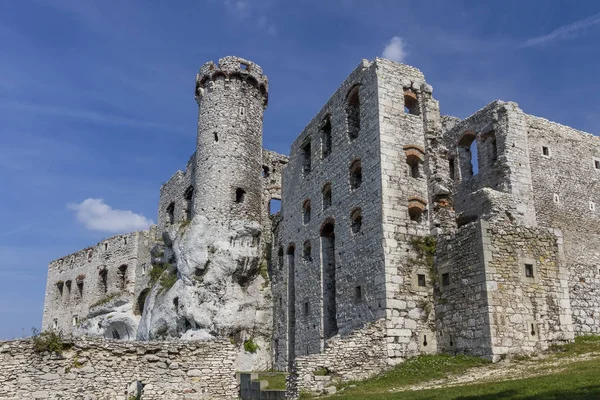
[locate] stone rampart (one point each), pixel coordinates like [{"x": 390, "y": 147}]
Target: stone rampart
[{"x": 106, "y": 369}]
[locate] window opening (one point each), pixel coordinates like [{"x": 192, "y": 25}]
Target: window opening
[
  {"x": 446, "y": 279},
  {"x": 329, "y": 280},
  {"x": 306, "y": 157},
  {"x": 307, "y": 251},
  {"x": 411, "y": 103},
  {"x": 216, "y": 137},
  {"x": 326, "y": 137},
  {"x": 356, "y": 217},
  {"x": 240, "y": 195},
  {"x": 189, "y": 202},
  {"x": 265, "y": 171},
  {"x": 306, "y": 212},
  {"x": 75, "y": 320},
  {"x": 597, "y": 164},
  {"x": 452, "y": 168},
  {"x": 358, "y": 295},
  {"x": 123, "y": 275},
  {"x": 274, "y": 206},
  {"x": 171, "y": 213},
  {"x": 355, "y": 174},
  {"x": 529, "y": 270},
  {"x": 421, "y": 279},
  {"x": 546, "y": 151},
  {"x": 353, "y": 113},
  {"x": 413, "y": 163},
  {"x": 306, "y": 309},
  {"x": 280, "y": 257},
  {"x": 103, "y": 280},
  {"x": 326, "y": 196}
]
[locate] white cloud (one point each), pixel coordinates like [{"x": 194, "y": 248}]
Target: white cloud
[
  {"x": 395, "y": 50},
  {"x": 564, "y": 32},
  {"x": 96, "y": 215}
]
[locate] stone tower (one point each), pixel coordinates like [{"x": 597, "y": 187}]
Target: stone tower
[{"x": 232, "y": 97}]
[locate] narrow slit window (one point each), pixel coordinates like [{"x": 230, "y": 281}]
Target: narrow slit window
[
  {"x": 326, "y": 196},
  {"x": 358, "y": 294},
  {"x": 171, "y": 213},
  {"x": 452, "y": 168},
  {"x": 546, "y": 151},
  {"x": 356, "y": 217},
  {"x": 326, "y": 137},
  {"x": 307, "y": 251},
  {"x": 306, "y": 158},
  {"x": 597, "y": 164}
]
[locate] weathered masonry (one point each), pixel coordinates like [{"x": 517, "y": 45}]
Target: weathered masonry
[
  {"x": 401, "y": 231},
  {"x": 404, "y": 231}
]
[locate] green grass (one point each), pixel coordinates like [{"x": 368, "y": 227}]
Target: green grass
[
  {"x": 276, "y": 380},
  {"x": 576, "y": 380},
  {"x": 416, "y": 370}
]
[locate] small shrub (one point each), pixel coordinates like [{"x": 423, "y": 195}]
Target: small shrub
[
  {"x": 50, "y": 341},
  {"x": 104, "y": 300},
  {"x": 156, "y": 272},
  {"x": 168, "y": 279},
  {"x": 250, "y": 346}
]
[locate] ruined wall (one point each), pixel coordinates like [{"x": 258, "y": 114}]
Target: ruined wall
[
  {"x": 405, "y": 204},
  {"x": 342, "y": 133},
  {"x": 360, "y": 355},
  {"x": 499, "y": 132},
  {"x": 173, "y": 206},
  {"x": 566, "y": 181},
  {"x": 461, "y": 303},
  {"x": 104, "y": 369},
  {"x": 232, "y": 97},
  {"x": 78, "y": 282},
  {"x": 527, "y": 287},
  {"x": 272, "y": 171}
]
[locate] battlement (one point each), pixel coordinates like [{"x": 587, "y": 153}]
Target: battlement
[{"x": 229, "y": 68}]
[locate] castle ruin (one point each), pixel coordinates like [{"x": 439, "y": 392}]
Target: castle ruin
[{"x": 392, "y": 240}]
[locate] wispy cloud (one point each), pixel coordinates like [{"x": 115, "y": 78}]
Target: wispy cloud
[
  {"x": 569, "y": 31},
  {"x": 91, "y": 116},
  {"x": 256, "y": 9},
  {"x": 96, "y": 215},
  {"x": 395, "y": 49},
  {"x": 17, "y": 230}
]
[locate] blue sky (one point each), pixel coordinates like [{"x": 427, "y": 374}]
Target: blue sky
[{"x": 96, "y": 97}]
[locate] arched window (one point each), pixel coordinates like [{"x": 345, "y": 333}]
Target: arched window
[
  {"x": 123, "y": 275},
  {"x": 103, "y": 280},
  {"x": 306, "y": 212},
  {"x": 416, "y": 208},
  {"x": 356, "y": 217},
  {"x": 355, "y": 174},
  {"x": 171, "y": 212},
  {"x": 353, "y": 112},
  {"x": 329, "y": 278},
  {"x": 467, "y": 155},
  {"x": 307, "y": 251},
  {"x": 326, "y": 196},
  {"x": 411, "y": 103}
]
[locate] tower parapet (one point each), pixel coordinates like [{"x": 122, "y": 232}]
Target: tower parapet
[
  {"x": 232, "y": 67},
  {"x": 232, "y": 98}
]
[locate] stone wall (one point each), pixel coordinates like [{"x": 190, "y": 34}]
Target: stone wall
[
  {"x": 527, "y": 288},
  {"x": 173, "y": 207},
  {"x": 105, "y": 369},
  {"x": 461, "y": 303},
  {"x": 405, "y": 204},
  {"x": 333, "y": 278},
  {"x": 109, "y": 270},
  {"x": 360, "y": 355},
  {"x": 566, "y": 183}
]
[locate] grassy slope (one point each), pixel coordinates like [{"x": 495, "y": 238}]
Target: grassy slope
[{"x": 575, "y": 380}]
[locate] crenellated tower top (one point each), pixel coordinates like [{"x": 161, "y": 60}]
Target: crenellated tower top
[{"x": 229, "y": 68}]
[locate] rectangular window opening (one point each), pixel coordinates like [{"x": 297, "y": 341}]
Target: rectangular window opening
[
  {"x": 529, "y": 270},
  {"x": 421, "y": 280},
  {"x": 446, "y": 279},
  {"x": 546, "y": 151},
  {"x": 358, "y": 294},
  {"x": 306, "y": 158}
]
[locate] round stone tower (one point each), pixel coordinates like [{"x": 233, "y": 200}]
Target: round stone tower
[{"x": 232, "y": 98}]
